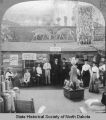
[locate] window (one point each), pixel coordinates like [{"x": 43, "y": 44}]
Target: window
[{"x": 28, "y": 64}]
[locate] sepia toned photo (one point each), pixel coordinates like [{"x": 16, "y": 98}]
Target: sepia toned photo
[{"x": 52, "y": 58}]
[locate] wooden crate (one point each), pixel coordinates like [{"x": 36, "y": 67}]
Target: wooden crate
[
  {"x": 74, "y": 94},
  {"x": 24, "y": 106}
]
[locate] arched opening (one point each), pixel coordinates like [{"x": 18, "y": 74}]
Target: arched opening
[{"x": 22, "y": 19}]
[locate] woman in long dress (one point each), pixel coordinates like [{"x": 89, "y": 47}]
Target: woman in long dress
[
  {"x": 86, "y": 73},
  {"x": 94, "y": 85}
]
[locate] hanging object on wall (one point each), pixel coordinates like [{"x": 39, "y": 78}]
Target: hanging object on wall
[
  {"x": 6, "y": 60},
  {"x": 29, "y": 56},
  {"x": 42, "y": 57},
  {"x": 85, "y": 26},
  {"x": 55, "y": 49},
  {"x": 14, "y": 60},
  {"x": 102, "y": 4}
]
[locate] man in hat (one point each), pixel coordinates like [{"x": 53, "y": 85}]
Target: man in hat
[
  {"x": 64, "y": 71},
  {"x": 56, "y": 72}
]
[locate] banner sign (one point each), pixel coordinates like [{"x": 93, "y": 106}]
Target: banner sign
[
  {"x": 29, "y": 56},
  {"x": 6, "y": 60},
  {"x": 14, "y": 60},
  {"x": 55, "y": 49}
]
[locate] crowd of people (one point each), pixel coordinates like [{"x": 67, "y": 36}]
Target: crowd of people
[
  {"x": 90, "y": 75},
  {"x": 48, "y": 74},
  {"x": 58, "y": 72}
]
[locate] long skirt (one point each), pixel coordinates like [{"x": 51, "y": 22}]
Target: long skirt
[
  {"x": 94, "y": 84},
  {"x": 104, "y": 78},
  {"x": 86, "y": 78}
]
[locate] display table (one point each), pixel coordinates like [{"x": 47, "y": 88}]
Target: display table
[{"x": 74, "y": 94}]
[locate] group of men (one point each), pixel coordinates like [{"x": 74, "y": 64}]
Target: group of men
[{"x": 50, "y": 74}]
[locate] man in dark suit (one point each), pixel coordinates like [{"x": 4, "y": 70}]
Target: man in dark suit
[
  {"x": 64, "y": 71},
  {"x": 33, "y": 76},
  {"x": 56, "y": 72}
]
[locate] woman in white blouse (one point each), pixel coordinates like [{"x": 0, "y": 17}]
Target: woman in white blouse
[
  {"x": 93, "y": 87},
  {"x": 86, "y": 73}
]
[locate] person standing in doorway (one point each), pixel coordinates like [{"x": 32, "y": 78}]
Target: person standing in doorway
[
  {"x": 16, "y": 80},
  {"x": 33, "y": 76},
  {"x": 64, "y": 71},
  {"x": 56, "y": 72},
  {"x": 47, "y": 68}
]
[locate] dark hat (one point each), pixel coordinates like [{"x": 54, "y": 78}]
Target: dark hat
[
  {"x": 94, "y": 62},
  {"x": 56, "y": 59},
  {"x": 85, "y": 59},
  {"x": 64, "y": 58}
]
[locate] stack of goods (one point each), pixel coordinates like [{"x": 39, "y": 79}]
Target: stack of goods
[
  {"x": 8, "y": 97},
  {"x": 73, "y": 90},
  {"x": 10, "y": 101}
]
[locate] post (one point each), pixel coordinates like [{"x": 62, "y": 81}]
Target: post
[{"x": 0, "y": 53}]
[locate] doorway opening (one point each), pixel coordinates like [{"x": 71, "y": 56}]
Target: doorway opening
[{"x": 55, "y": 69}]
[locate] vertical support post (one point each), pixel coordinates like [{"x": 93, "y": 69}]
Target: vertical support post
[{"x": 0, "y": 53}]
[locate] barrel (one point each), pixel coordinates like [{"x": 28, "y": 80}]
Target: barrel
[
  {"x": 3, "y": 86},
  {"x": 13, "y": 97},
  {"x": 1, "y": 105},
  {"x": 7, "y": 102},
  {"x": 7, "y": 84},
  {"x": 17, "y": 92}
]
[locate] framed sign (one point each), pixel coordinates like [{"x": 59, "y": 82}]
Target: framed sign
[
  {"x": 55, "y": 49},
  {"x": 14, "y": 60},
  {"x": 29, "y": 56},
  {"x": 6, "y": 60}
]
